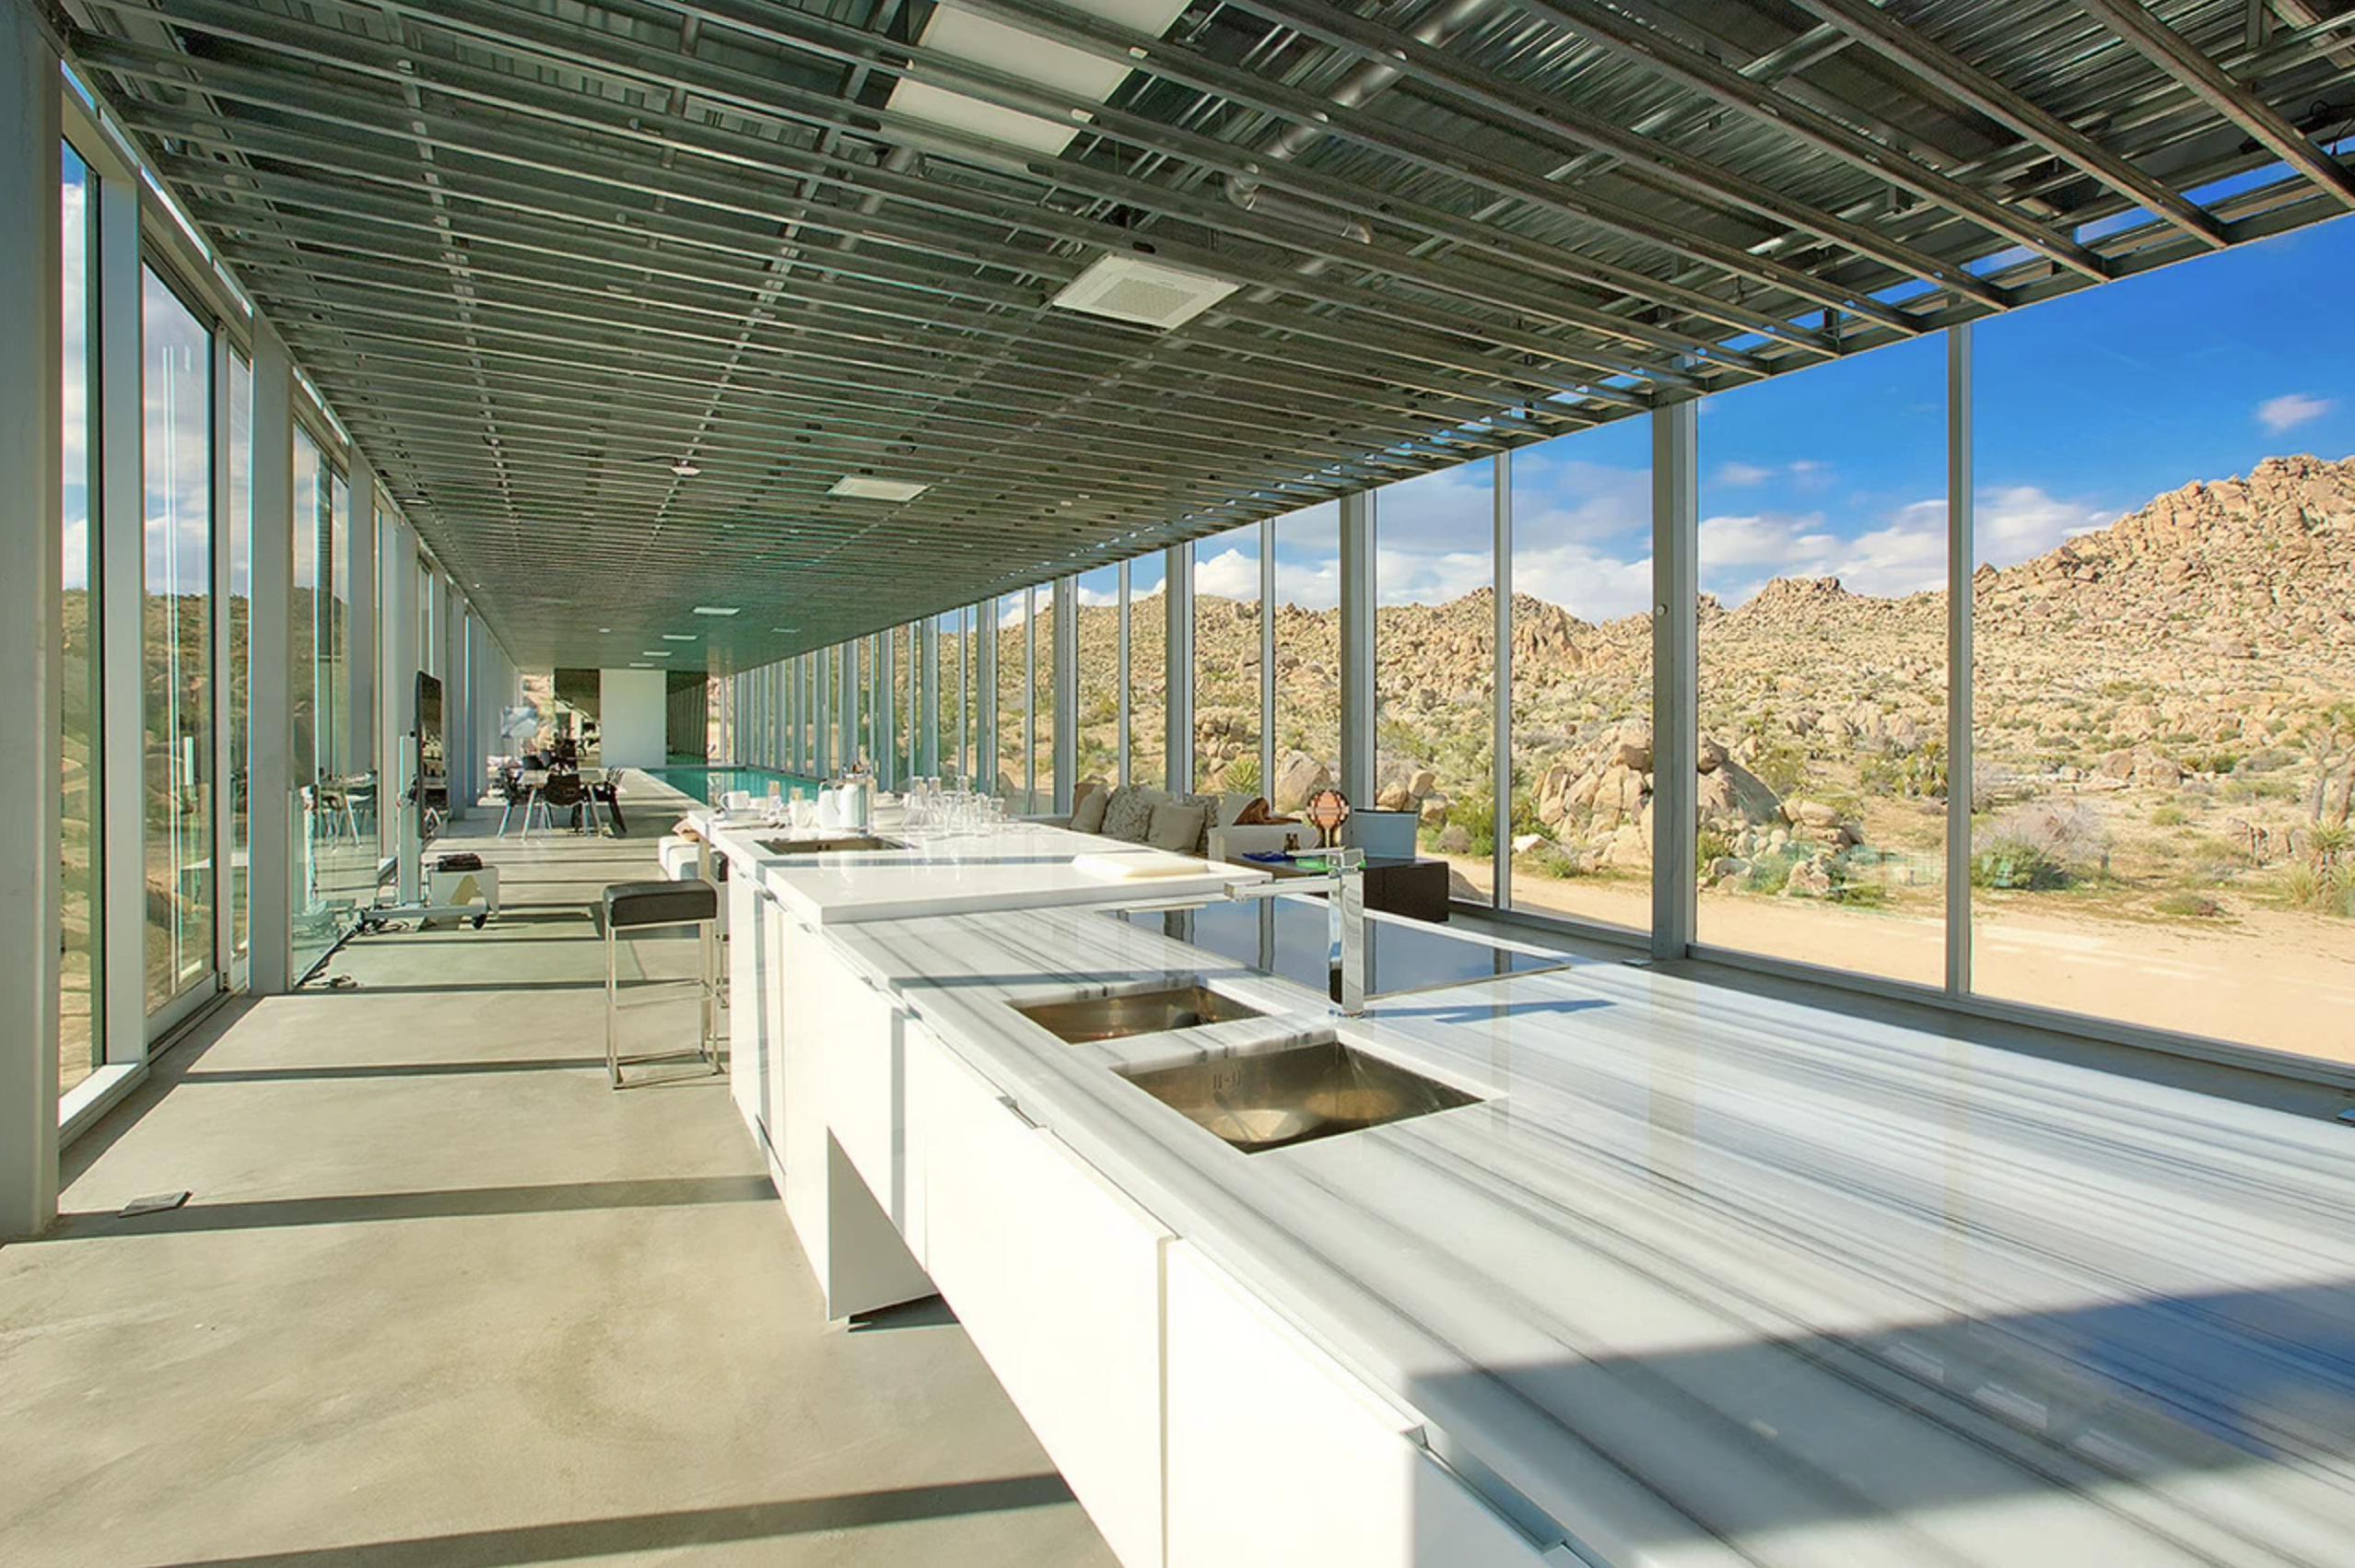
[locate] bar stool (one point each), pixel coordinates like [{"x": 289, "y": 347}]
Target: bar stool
[{"x": 637, "y": 906}]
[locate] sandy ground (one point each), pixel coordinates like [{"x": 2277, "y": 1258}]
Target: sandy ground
[{"x": 2267, "y": 978}]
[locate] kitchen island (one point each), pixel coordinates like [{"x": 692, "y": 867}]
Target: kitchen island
[{"x": 1684, "y": 1274}]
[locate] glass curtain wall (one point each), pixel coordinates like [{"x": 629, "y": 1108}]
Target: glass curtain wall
[
  {"x": 1006, "y": 744},
  {"x": 80, "y": 1042},
  {"x": 176, "y": 640},
  {"x": 1822, "y": 716},
  {"x": 1226, "y": 661},
  {"x": 1582, "y": 675},
  {"x": 2164, "y": 689},
  {"x": 1307, "y": 655},
  {"x": 1040, "y": 722},
  {"x": 1435, "y": 665},
  {"x": 1098, "y": 746},
  {"x": 241, "y": 642},
  {"x": 1148, "y": 673}
]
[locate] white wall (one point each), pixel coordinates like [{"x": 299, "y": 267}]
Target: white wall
[{"x": 633, "y": 718}]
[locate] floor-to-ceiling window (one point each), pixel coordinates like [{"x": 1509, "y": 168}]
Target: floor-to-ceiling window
[
  {"x": 2164, "y": 609},
  {"x": 1226, "y": 661},
  {"x": 80, "y": 1044},
  {"x": 176, "y": 452},
  {"x": 1307, "y": 656},
  {"x": 1435, "y": 665},
  {"x": 313, "y": 690},
  {"x": 1098, "y": 750},
  {"x": 1148, "y": 673},
  {"x": 1039, "y": 649},
  {"x": 1582, "y": 675},
  {"x": 1822, "y": 716}
]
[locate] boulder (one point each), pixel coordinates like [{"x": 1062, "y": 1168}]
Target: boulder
[
  {"x": 1810, "y": 814},
  {"x": 1298, "y": 775},
  {"x": 1394, "y": 798},
  {"x": 1711, "y": 754},
  {"x": 1454, "y": 839},
  {"x": 1424, "y": 783},
  {"x": 1435, "y": 810},
  {"x": 1810, "y": 879}
]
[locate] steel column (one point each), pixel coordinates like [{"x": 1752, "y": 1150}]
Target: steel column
[
  {"x": 1066, "y": 678},
  {"x": 1358, "y": 653},
  {"x": 272, "y": 820},
  {"x": 1676, "y": 679},
  {"x": 32, "y": 623},
  {"x": 118, "y": 510},
  {"x": 1178, "y": 675},
  {"x": 1120, "y": 657},
  {"x": 1960, "y": 546},
  {"x": 1501, "y": 701},
  {"x": 1266, "y": 656}
]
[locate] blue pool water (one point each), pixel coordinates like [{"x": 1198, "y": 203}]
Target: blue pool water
[{"x": 708, "y": 784}]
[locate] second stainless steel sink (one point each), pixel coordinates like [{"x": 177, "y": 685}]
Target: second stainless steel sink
[
  {"x": 1271, "y": 1099},
  {"x": 840, "y": 843},
  {"x": 1090, "y": 1018}
]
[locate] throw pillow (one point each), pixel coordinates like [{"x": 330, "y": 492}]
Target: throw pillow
[
  {"x": 1087, "y": 812},
  {"x": 1129, "y": 815},
  {"x": 1177, "y": 827},
  {"x": 1212, "y": 805}
]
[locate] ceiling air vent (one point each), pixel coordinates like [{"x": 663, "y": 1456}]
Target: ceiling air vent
[
  {"x": 1152, "y": 294},
  {"x": 860, "y": 488}
]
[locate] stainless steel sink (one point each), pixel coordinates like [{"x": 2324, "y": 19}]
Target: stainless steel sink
[
  {"x": 1262, "y": 1100},
  {"x": 838, "y": 844},
  {"x": 1091, "y": 1018}
]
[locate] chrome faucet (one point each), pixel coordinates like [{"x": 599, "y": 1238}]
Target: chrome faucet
[{"x": 1343, "y": 885}]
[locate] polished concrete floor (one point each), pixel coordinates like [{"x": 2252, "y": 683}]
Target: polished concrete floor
[{"x": 442, "y": 1300}]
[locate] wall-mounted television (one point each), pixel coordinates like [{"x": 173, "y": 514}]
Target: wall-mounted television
[{"x": 431, "y": 763}]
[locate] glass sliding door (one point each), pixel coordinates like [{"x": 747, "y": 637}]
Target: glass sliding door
[
  {"x": 81, "y": 1046},
  {"x": 176, "y": 449}
]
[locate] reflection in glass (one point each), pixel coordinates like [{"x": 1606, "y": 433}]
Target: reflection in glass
[
  {"x": 80, "y": 1045},
  {"x": 176, "y": 640},
  {"x": 1582, "y": 675}
]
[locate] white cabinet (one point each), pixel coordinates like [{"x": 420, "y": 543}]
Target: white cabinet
[
  {"x": 1278, "y": 1457},
  {"x": 751, "y": 1053},
  {"x": 1057, "y": 1277}
]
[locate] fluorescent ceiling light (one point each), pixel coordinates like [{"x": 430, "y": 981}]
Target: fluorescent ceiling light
[
  {"x": 719, "y": 609},
  {"x": 684, "y": 468},
  {"x": 858, "y": 486},
  {"x": 656, "y": 653},
  {"x": 1031, "y": 58},
  {"x": 679, "y": 636},
  {"x": 1152, "y": 294}
]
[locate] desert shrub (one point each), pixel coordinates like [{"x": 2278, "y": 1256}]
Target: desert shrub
[
  {"x": 2169, "y": 816},
  {"x": 1784, "y": 767},
  {"x": 1476, "y": 814},
  {"x": 2189, "y": 903},
  {"x": 1243, "y": 773},
  {"x": 1770, "y": 873},
  {"x": 2039, "y": 846},
  {"x": 1553, "y": 861},
  {"x": 1710, "y": 845}
]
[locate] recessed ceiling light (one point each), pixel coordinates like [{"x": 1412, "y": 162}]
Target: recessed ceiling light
[
  {"x": 858, "y": 486},
  {"x": 784, "y": 629},
  {"x": 605, "y": 629},
  {"x": 679, "y": 636},
  {"x": 640, "y": 664},
  {"x": 719, "y": 609},
  {"x": 684, "y": 468}
]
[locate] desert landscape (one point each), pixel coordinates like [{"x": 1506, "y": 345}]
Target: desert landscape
[{"x": 2164, "y": 722}]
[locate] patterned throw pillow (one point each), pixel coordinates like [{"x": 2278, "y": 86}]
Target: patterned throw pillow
[
  {"x": 1129, "y": 814},
  {"x": 1212, "y": 805},
  {"x": 1087, "y": 812}
]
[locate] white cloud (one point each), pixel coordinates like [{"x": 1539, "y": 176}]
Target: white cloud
[
  {"x": 2291, "y": 410},
  {"x": 1097, "y": 598},
  {"x": 2016, "y": 522},
  {"x": 1230, "y": 574},
  {"x": 1743, "y": 473}
]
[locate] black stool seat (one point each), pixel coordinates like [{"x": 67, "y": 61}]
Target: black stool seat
[{"x": 663, "y": 903}]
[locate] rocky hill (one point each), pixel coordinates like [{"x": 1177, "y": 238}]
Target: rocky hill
[{"x": 2202, "y": 637}]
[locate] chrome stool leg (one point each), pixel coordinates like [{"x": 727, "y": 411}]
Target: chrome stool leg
[{"x": 612, "y": 1006}]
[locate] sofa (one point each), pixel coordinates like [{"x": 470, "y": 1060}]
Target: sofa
[{"x": 1222, "y": 839}]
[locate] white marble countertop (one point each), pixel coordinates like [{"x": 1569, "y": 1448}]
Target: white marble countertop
[
  {"x": 1714, "y": 1278},
  {"x": 1009, "y": 865}
]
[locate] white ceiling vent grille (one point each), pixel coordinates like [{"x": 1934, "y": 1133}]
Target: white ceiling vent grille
[
  {"x": 862, "y": 489},
  {"x": 1152, "y": 294}
]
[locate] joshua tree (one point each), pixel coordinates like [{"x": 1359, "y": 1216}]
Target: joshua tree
[{"x": 2330, "y": 748}]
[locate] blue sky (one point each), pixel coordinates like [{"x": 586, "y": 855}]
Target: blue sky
[{"x": 2087, "y": 406}]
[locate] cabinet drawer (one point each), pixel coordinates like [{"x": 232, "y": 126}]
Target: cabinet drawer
[
  {"x": 1057, "y": 1277},
  {"x": 1277, "y": 1456}
]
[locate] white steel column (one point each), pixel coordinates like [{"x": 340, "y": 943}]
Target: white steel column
[
  {"x": 222, "y": 766},
  {"x": 1177, "y": 668},
  {"x": 271, "y": 819},
  {"x": 1960, "y": 547},
  {"x": 361, "y": 643},
  {"x": 1266, "y": 656},
  {"x": 118, "y": 511},
  {"x": 397, "y": 559},
  {"x": 1122, "y": 659},
  {"x": 31, "y": 564},
  {"x": 1501, "y": 713},
  {"x": 1676, "y": 679},
  {"x": 927, "y": 701},
  {"x": 822, "y": 713},
  {"x": 1357, "y": 714},
  {"x": 1030, "y": 699},
  {"x": 1066, "y": 691}
]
